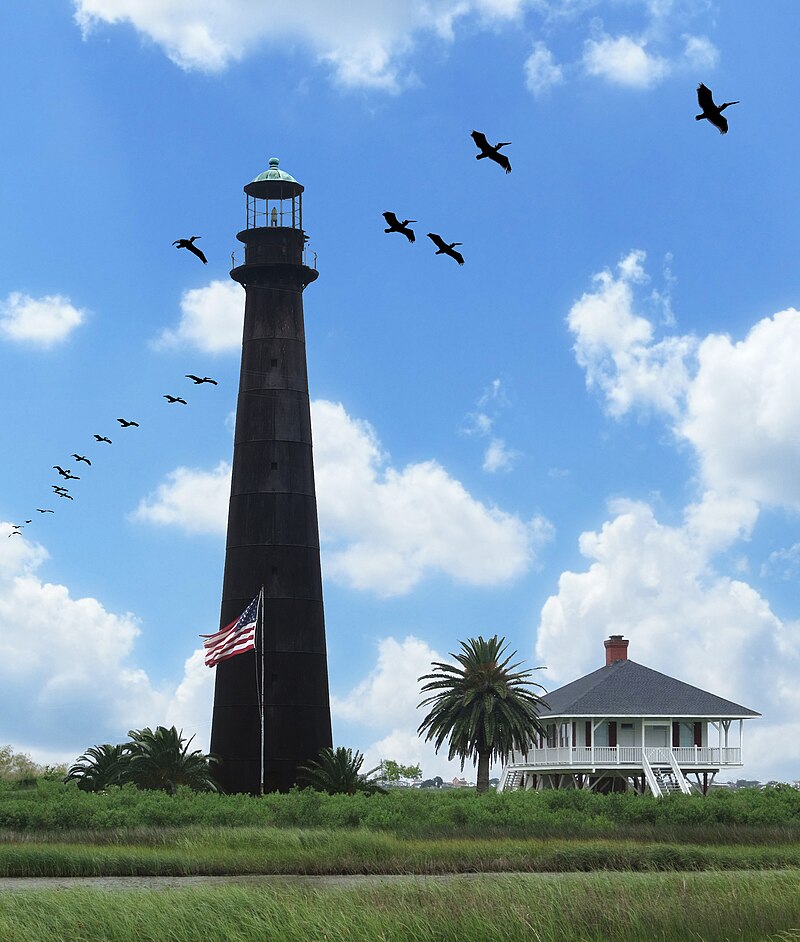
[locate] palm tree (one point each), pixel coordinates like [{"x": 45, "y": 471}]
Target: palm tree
[
  {"x": 337, "y": 773},
  {"x": 483, "y": 706},
  {"x": 160, "y": 759},
  {"x": 99, "y": 767}
]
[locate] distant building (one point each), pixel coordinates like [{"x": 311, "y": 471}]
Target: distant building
[{"x": 627, "y": 727}]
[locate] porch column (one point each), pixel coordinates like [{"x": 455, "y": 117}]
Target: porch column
[{"x": 741, "y": 751}]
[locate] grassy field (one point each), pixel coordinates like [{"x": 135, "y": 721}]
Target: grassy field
[
  {"x": 199, "y": 850},
  {"x": 520, "y": 908}
]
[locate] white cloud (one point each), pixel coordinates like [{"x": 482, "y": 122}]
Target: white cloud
[
  {"x": 190, "y": 498},
  {"x": 41, "y": 322},
  {"x": 211, "y": 320},
  {"x": 61, "y": 655},
  {"x": 784, "y": 563},
  {"x": 699, "y": 52},
  {"x": 382, "y": 529},
  {"x": 624, "y": 61},
  {"x": 363, "y": 40},
  {"x": 615, "y": 346},
  {"x": 541, "y": 70},
  {"x": 498, "y": 456},
  {"x": 655, "y": 585},
  {"x": 743, "y": 412}
]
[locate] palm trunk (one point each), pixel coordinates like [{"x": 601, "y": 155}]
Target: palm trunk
[{"x": 483, "y": 772}]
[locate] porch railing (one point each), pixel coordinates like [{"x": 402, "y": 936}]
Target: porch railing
[{"x": 684, "y": 756}]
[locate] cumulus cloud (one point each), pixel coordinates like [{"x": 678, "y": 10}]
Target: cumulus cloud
[
  {"x": 624, "y": 61},
  {"x": 498, "y": 456},
  {"x": 191, "y": 498},
  {"x": 656, "y": 585},
  {"x": 211, "y": 320},
  {"x": 40, "y": 322},
  {"x": 616, "y": 346},
  {"x": 364, "y": 42},
  {"x": 541, "y": 70},
  {"x": 743, "y": 411},
  {"x": 60, "y": 654},
  {"x": 382, "y": 529}
]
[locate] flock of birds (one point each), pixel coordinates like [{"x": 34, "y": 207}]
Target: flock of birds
[
  {"x": 711, "y": 112},
  {"x": 59, "y": 490}
]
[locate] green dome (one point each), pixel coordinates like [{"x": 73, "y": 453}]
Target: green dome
[
  {"x": 274, "y": 184},
  {"x": 274, "y": 173}
]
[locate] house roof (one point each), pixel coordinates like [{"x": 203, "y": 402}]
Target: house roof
[{"x": 625, "y": 688}]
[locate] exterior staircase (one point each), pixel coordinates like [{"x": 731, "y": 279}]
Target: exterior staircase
[
  {"x": 667, "y": 781},
  {"x": 511, "y": 780}
]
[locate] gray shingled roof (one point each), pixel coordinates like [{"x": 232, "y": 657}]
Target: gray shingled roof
[{"x": 627, "y": 688}]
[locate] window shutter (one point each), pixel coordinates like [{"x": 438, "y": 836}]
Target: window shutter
[
  {"x": 574, "y": 734},
  {"x": 588, "y": 732},
  {"x": 676, "y": 735},
  {"x": 698, "y": 734},
  {"x": 612, "y": 733}
]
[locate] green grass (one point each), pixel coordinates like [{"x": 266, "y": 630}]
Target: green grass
[
  {"x": 267, "y": 850},
  {"x": 589, "y": 908}
]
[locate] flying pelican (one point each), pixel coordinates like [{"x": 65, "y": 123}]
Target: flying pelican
[
  {"x": 445, "y": 248},
  {"x": 396, "y": 226},
  {"x": 492, "y": 152},
  {"x": 82, "y": 458},
  {"x": 61, "y": 471},
  {"x": 197, "y": 379},
  {"x": 712, "y": 112},
  {"x": 171, "y": 399},
  {"x": 39, "y": 509},
  {"x": 188, "y": 244},
  {"x": 125, "y": 423},
  {"x": 102, "y": 438}
]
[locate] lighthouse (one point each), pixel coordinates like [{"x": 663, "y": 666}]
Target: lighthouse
[{"x": 273, "y": 533}]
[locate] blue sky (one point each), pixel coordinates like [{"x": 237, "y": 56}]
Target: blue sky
[{"x": 590, "y": 428}]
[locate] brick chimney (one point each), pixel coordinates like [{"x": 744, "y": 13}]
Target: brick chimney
[{"x": 616, "y": 649}]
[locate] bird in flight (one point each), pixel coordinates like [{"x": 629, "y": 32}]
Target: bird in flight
[
  {"x": 491, "y": 151},
  {"x": 45, "y": 511},
  {"x": 396, "y": 226},
  {"x": 197, "y": 379},
  {"x": 445, "y": 248},
  {"x": 175, "y": 399},
  {"x": 711, "y": 112},
  {"x": 65, "y": 494},
  {"x": 82, "y": 458},
  {"x": 15, "y": 533},
  {"x": 61, "y": 471},
  {"x": 102, "y": 438},
  {"x": 189, "y": 244},
  {"x": 125, "y": 423}
]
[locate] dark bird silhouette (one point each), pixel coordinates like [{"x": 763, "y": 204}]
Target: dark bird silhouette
[
  {"x": 175, "y": 399},
  {"x": 15, "y": 533},
  {"x": 58, "y": 487},
  {"x": 711, "y": 112},
  {"x": 71, "y": 477},
  {"x": 188, "y": 244},
  {"x": 490, "y": 151},
  {"x": 65, "y": 494},
  {"x": 61, "y": 471},
  {"x": 396, "y": 226},
  {"x": 17, "y": 526},
  {"x": 197, "y": 380},
  {"x": 102, "y": 438},
  {"x": 45, "y": 511},
  {"x": 29, "y": 521},
  {"x": 125, "y": 423},
  {"x": 82, "y": 458},
  {"x": 445, "y": 248}
]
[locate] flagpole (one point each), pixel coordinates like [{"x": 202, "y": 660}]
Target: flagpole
[{"x": 261, "y": 604}]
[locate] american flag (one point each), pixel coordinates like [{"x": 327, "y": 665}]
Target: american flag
[{"x": 233, "y": 639}]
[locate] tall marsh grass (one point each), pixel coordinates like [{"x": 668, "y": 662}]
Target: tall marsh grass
[{"x": 625, "y": 908}]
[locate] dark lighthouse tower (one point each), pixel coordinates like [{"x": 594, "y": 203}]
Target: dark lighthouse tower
[{"x": 273, "y": 534}]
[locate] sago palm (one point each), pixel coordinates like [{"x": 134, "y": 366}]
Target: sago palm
[
  {"x": 482, "y": 705},
  {"x": 336, "y": 771},
  {"x": 99, "y": 767},
  {"x": 160, "y": 759}
]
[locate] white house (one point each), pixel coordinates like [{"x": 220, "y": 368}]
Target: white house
[{"x": 626, "y": 726}]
